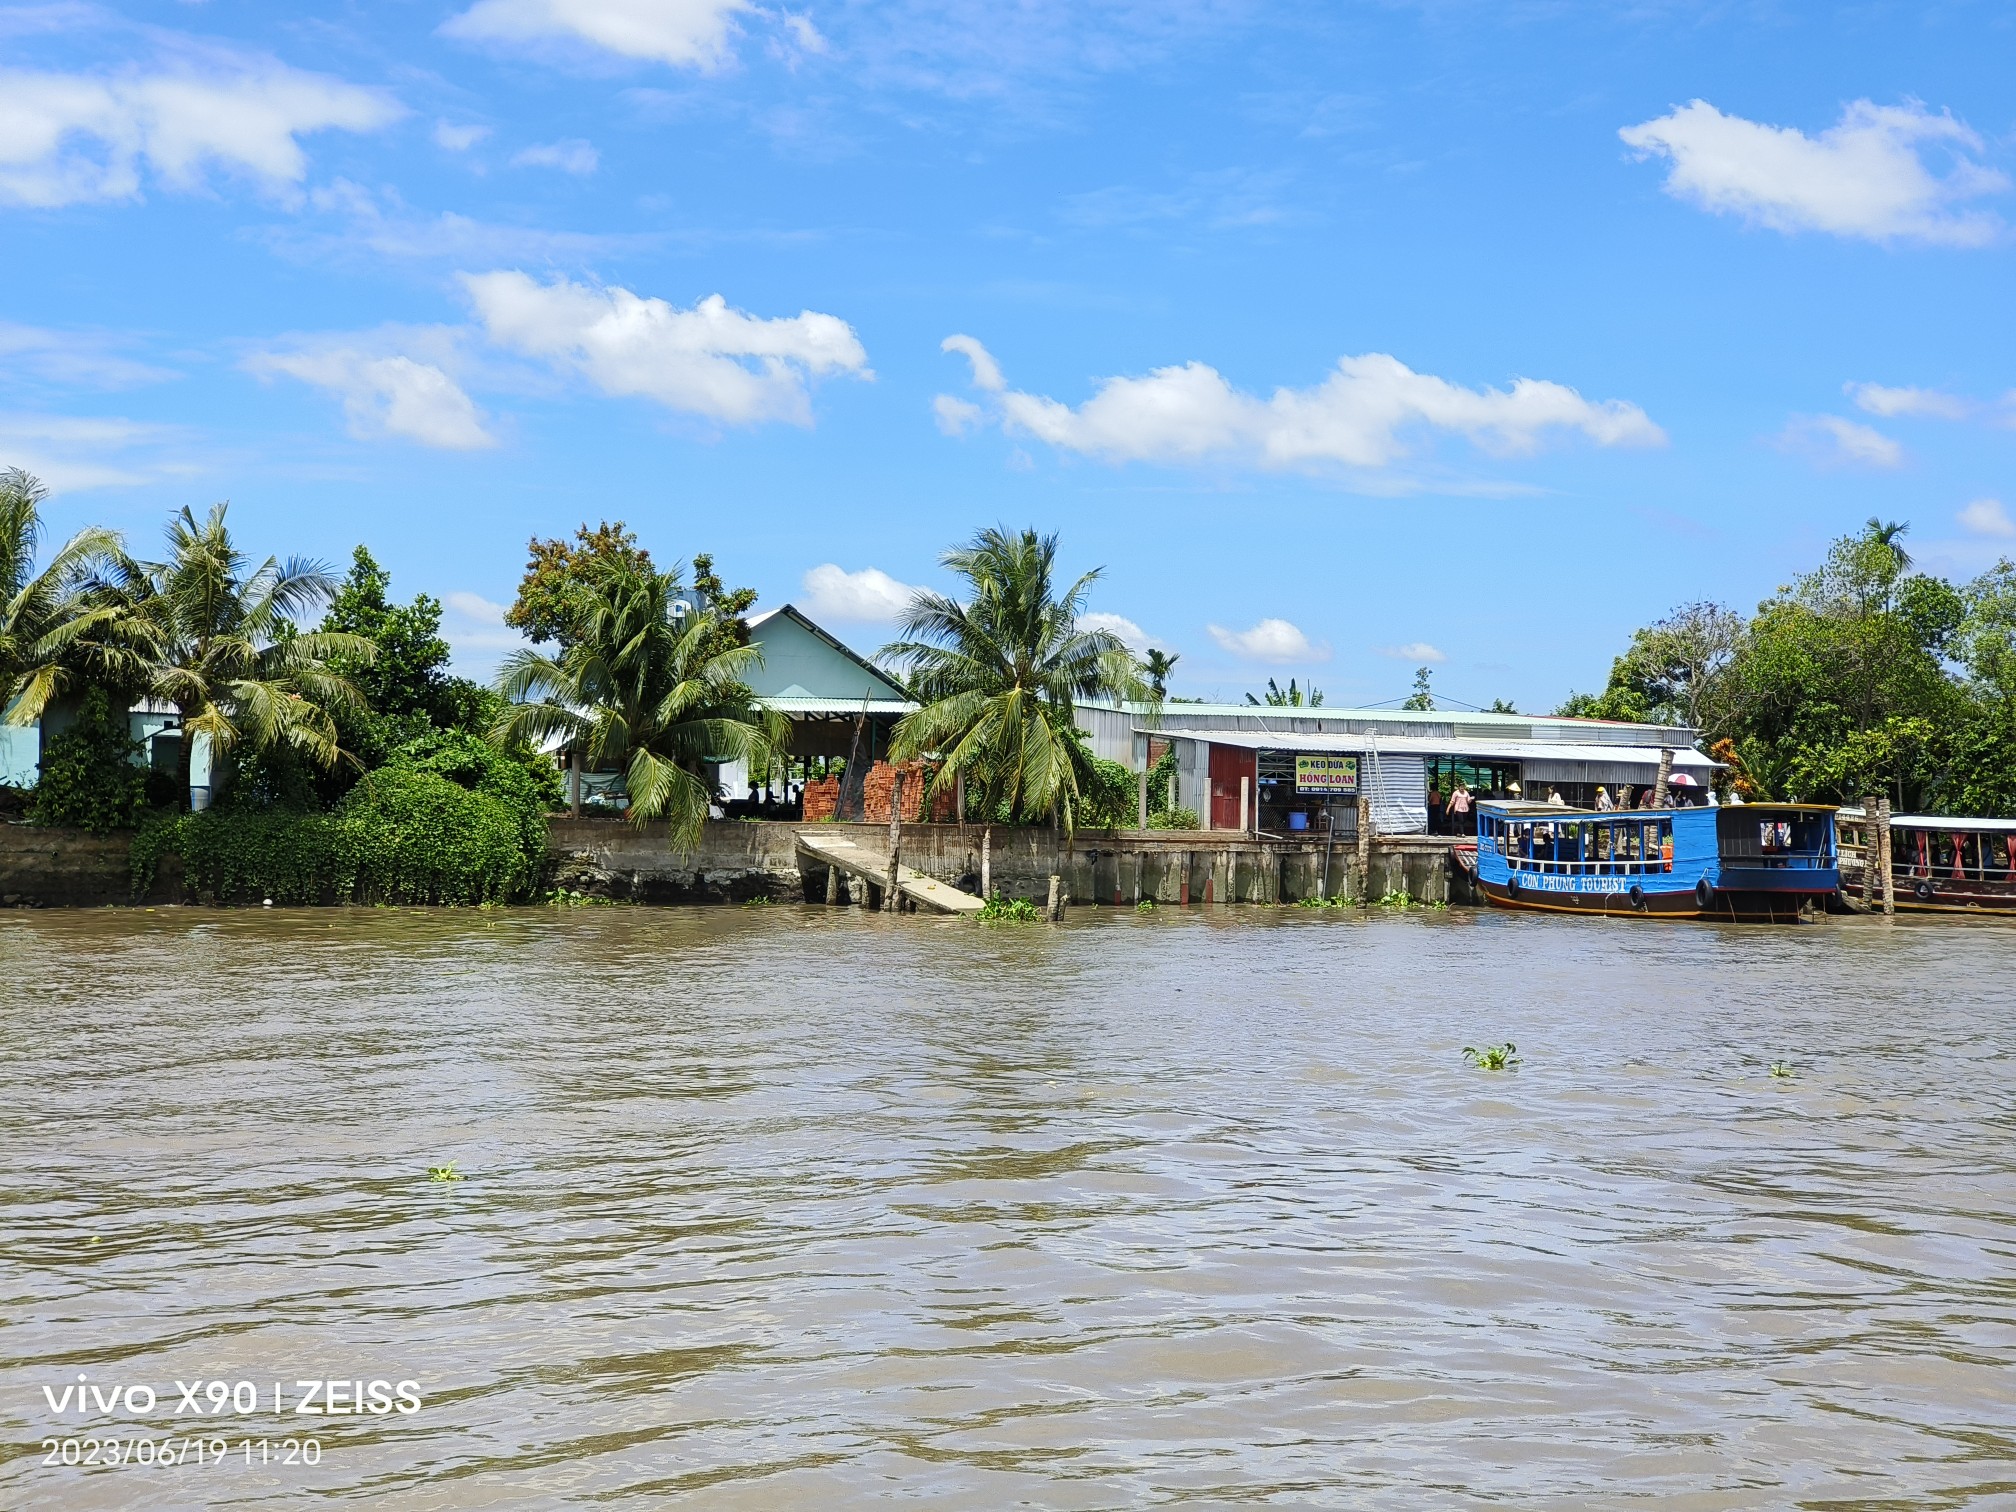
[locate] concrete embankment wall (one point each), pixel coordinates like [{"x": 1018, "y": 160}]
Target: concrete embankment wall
[{"x": 737, "y": 861}]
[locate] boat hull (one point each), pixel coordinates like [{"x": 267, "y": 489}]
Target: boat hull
[
  {"x": 1774, "y": 905},
  {"x": 1969, "y": 895}
]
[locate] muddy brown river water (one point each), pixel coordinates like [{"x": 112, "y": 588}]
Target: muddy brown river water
[{"x": 780, "y": 1207}]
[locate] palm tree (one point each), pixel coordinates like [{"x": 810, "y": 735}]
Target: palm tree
[
  {"x": 1159, "y": 665},
  {"x": 216, "y": 638},
  {"x": 46, "y": 622},
  {"x": 1887, "y": 534},
  {"x": 635, "y": 685},
  {"x": 1290, "y": 697},
  {"x": 1000, "y": 676}
]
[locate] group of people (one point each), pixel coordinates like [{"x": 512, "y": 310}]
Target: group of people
[{"x": 1453, "y": 814}]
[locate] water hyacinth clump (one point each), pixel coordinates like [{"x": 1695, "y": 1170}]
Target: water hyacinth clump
[
  {"x": 1337, "y": 902},
  {"x": 444, "y": 1172},
  {"x": 1010, "y": 911},
  {"x": 1782, "y": 1069},
  {"x": 1503, "y": 1057}
]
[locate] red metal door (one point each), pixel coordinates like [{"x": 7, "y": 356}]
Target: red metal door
[{"x": 1228, "y": 765}]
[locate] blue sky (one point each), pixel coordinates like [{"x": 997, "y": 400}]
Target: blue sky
[{"x": 1346, "y": 337}]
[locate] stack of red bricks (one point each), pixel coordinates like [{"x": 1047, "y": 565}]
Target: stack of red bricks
[{"x": 822, "y": 796}]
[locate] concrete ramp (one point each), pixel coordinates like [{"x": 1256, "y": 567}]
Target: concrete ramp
[{"x": 926, "y": 892}]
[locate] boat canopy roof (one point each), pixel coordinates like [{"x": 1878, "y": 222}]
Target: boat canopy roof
[
  {"x": 1526, "y": 809},
  {"x": 1951, "y": 823}
]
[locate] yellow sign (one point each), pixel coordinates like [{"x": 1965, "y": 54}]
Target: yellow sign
[{"x": 1326, "y": 774}]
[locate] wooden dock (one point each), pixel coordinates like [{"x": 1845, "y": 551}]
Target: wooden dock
[{"x": 927, "y": 892}]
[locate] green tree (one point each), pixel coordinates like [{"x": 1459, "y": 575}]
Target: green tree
[
  {"x": 47, "y": 623},
  {"x": 1671, "y": 673},
  {"x": 1422, "y": 698},
  {"x": 637, "y": 687},
  {"x": 1000, "y": 676},
  {"x": 1160, "y": 667},
  {"x": 216, "y": 637},
  {"x": 1291, "y": 697},
  {"x": 406, "y": 675},
  {"x": 555, "y": 589}
]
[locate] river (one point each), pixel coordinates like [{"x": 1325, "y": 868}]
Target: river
[{"x": 787, "y": 1207}]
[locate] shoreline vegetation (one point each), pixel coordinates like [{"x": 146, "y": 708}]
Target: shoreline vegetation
[{"x": 346, "y": 763}]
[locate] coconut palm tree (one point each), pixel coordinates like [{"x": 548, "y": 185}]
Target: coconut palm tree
[
  {"x": 46, "y": 621},
  {"x": 638, "y": 686},
  {"x": 1159, "y": 666},
  {"x": 214, "y": 636},
  {"x": 1000, "y": 676}
]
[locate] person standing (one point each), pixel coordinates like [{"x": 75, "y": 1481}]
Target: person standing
[
  {"x": 1459, "y": 810},
  {"x": 1434, "y": 811}
]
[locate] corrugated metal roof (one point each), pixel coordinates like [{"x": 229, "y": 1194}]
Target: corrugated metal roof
[
  {"x": 799, "y": 703},
  {"x": 1546, "y": 727},
  {"x": 1419, "y": 745}
]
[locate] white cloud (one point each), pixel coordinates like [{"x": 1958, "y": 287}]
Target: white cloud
[
  {"x": 708, "y": 360},
  {"x": 385, "y": 393},
  {"x": 986, "y": 371},
  {"x": 575, "y": 157},
  {"x": 869, "y": 596},
  {"x": 1987, "y": 517},
  {"x": 1130, "y": 634},
  {"x": 1356, "y": 417},
  {"x": 1414, "y": 651},
  {"x": 956, "y": 416},
  {"x": 1272, "y": 641},
  {"x": 458, "y": 138},
  {"x": 86, "y": 359},
  {"x": 71, "y": 453},
  {"x": 475, "y": 630},
  {"x": 72, "y": 138},
  {"x": 1831, "y": 439},
  {"x": 1862, "y": 177},
  {"x": 1876, "y": 399},
  {"x": 683, "y": 33}
]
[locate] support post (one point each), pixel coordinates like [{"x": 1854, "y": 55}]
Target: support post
[
  {"x": 1141, "y": 814},
  {"x": 1870, "y": 846},
  {"x": 1883, "y": 858},
  {"x": 986, "y": 863},
  {"x": 1056, "y": 906},
  {"x": 1245, "y": 793},
  {"x": 574, "y": 783},
  {"x": 1364, "y": 849},
  {"x": 959, "y": 797},
  {"x": 1183, "y": 883},
  {"x": 1659, "y": 783},
  {"x": 832, "y": 885},
  {"x": 892, "y": 897}
]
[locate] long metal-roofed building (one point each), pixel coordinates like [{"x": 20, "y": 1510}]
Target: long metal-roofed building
[{"x": 1282, "y": 771}]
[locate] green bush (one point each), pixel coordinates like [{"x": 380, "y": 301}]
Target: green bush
[
  {"x": 447, "y": 820},
  {"x": 90, "y": 777},
  {"x": 1175, "y": 819}
]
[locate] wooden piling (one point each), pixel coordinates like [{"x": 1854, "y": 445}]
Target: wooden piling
[
  {"x": 574, "y": 783},
  {"x": 1056, "y": 907},
  {"x": 1869, "y": 848},
  {"x": 987, "y": 862},
  {"x": 892, "y": 895},
  {"x": 1883, "y": 858},
  {"x": 1664, "y": 779},
  {"x": 832, "y": 885},
  {"x": 1141, "y": 807},
  {"x": 1364, "y": 848}
]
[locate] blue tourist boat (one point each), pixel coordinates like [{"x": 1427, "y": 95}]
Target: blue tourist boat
[{"x": 1757, "y": 862}]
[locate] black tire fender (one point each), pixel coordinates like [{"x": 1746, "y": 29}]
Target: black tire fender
[
  {"x": 1512, "y": 885},
  {"x": 1924, "y": 890},
  {"x": 1637, "y": 896},
  {"x": 1704, "y": 892}
]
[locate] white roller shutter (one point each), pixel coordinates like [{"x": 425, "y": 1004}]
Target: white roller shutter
[{"x": 1398, "y": 788}]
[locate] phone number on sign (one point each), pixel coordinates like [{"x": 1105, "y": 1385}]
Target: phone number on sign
[{"x": 180, "y": 1451}]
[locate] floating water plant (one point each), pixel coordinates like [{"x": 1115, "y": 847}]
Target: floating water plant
[
  {"x": 1010, "y": 911},
  {"x": 1503, "y": 1057},
  {"x": 760, "y": 902},
  {"x": 1781, "y": 1068},
  {"x": 1323, "y": 902},
  {"x": 444, "y": 1172},
  {"x": 1146, "y": 905}
]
